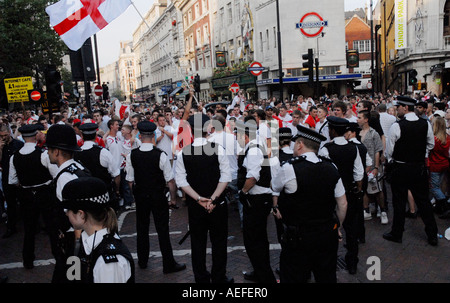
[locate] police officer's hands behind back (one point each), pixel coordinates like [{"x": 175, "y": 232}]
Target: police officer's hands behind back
[{"x": 276, "y": 213}]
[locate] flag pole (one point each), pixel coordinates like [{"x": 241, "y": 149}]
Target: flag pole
[{"x": 159, "y": 42}]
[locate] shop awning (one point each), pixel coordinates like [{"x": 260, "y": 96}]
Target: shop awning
[{"x": 176, "y": 91}]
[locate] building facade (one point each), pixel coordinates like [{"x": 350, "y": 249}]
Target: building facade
[
  {"x": 358, "y": 38},
  {"x": 197, "y": 59},
  {"x": 309, "y": 26},
  {"x": 233, "y": 30},
  {"x": 426, "y": 34},
  {"x": 127, "y": 70}
]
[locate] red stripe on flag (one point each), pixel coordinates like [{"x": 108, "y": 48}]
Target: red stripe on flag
[
  {"x": 70, "y": 22},
  {"x": 92, "y": 9}
]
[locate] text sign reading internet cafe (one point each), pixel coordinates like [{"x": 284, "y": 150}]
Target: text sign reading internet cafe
[{"x": 311, "y": 24}]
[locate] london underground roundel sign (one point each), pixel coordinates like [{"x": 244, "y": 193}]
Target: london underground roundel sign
[{"x": 311, "y": 24}]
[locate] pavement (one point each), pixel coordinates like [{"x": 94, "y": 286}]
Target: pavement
[{"x": 381, "y": 261}]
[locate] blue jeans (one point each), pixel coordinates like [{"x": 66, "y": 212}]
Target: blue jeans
[
  {"x": 125, "y": 190},
  {"x": 436, "y": 181}
]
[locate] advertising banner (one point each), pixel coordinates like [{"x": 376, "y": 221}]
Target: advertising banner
[{"x": 401, "y": 19}]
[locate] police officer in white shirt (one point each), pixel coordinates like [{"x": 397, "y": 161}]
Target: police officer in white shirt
[
  {"x": 312, "y": 189},
  {"x": 409, "y": 143},
  {"x": 62, "y": 144},
  {"x": 148, "y": 172},
  {"x": 30, "y": 169},
  {"x": 254, "y": 176},
  {"x": 104, "y": 257}
]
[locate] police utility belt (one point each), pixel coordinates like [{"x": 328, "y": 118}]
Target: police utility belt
[
  {"x": 37, "y": 187},
  {"x": 293, "y": 234}
]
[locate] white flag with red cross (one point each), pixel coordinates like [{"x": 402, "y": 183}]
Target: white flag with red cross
[
  {"x": 77, "y": 20},
  {"x": 120, "y": 109}
]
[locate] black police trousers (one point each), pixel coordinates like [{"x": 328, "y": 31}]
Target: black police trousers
[
  {"x": 216, "y": 223},
  {"x": 315, "y": 251},
  {"x": 256, "y": 242},
  {"x": 153, "y": 202},
  {"x": 414, "y": 177},
  {"x": 352, "y": 227},
  {"x": 33, "y": 204}
]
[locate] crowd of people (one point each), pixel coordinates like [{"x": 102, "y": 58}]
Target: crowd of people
[{"x": 267, "y": 156}]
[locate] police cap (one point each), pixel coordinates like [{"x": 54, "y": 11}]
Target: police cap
[
  {"x": 146, "y": 127},
  {"x": 308, "y": 133},
  {"x": 85, "y": 193},
  {"x": 336, "y": 122},
  {"x": 405, "y": 100},
  {"x": 30, "y": 130}
]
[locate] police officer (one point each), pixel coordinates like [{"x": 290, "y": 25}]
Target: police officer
[
  {"x": 352, "y": 136},
  {"x": 409, "y": 143},
  {"x": 285, "y": 153},
  {"x": 346, "y": 157},
  {"x": 284, "y": 136},
  {"x": 312, "y": 188},
  {"x": 254, "y": 176},
  {"x": 31, "y": 171},
  {"x": 99, "y": 161},
  {"x": 148, "y": 172},
  {"x": 203, "y": 173},
  {"x": 104, "y": 257},
  {"x": 8, "y": 146},
  {"x": 61, "y": 142}
]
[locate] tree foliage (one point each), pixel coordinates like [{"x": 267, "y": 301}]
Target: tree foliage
[{"x": 27, "y": 42}]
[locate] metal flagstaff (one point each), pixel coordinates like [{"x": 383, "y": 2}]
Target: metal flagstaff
[{"x": 159, "y": 42}]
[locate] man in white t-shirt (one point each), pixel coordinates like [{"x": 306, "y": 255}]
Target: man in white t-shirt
[
  {"x": 113, "y": 142},
  {"x": 240, "y": 100},
  {"x": 284, "y": 116},
  {"x": 165, "y": 134}
]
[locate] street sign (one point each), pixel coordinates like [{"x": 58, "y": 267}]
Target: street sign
[
  {"x": 35, "y": 95},
  {"x": 310, "y": 21},
  {"x": 17, "y": 89},
  {"x": 234, "y": 88},
  {"x": 256, "y": 69},
  {"x": 369, "y": 85},
  {"x": 98, "y": 90}
]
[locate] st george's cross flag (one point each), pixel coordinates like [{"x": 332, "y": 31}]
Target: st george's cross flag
[
  {"x": 120, "y": 109},
  {"x": 77, "y": 20}
]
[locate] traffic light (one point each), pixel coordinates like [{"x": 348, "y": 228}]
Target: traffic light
[
  {"x": 197, "y": 83},
  {"x": 53, "y": 82},
  {"x": 309, "y": 65},
  {"x": 413, "y": 77},
  {"x": 105, "y": 91}
]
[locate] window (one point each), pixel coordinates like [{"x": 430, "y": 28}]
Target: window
[
  {"x": 199, "y": 38},
  {"x": 294, "y": 72},
  {"x": 185, "y": 21},
  {"x": 221, "y": 15},
  {"x": 230, "y": 14},
  {"x": 197, "y": 11},
  {"x": 237, "y": 10},
  {"x": 190, "y": 17},
  {"x": 261, "y": 39},
  {"x": 267, "y": 38},
  {"x": 191, "y": 42},
  {"x": 204, "y": 5},
  {"x": 205, "y": 34},
  {"x": 274, "y": 37},
  {"x": 363, "y": 46}
]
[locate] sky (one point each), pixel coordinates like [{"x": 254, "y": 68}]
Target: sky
[{"x": 123, "y": 27}]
